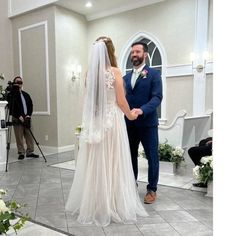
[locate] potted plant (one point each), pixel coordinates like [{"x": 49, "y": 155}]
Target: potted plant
[
  {"x": 204, "y": 173},
  {"x": 171, "y": 158}
]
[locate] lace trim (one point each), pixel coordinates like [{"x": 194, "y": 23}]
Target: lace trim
[{"x": 109, "y": 79}]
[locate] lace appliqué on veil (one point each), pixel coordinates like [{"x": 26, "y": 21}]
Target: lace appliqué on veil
[{"x": 97, "y": 134}]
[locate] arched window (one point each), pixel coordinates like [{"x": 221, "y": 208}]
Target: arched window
[{"x": 154, "y": 61}]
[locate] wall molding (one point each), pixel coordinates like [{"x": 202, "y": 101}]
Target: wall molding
[
  {"x": 20, "y": 30},
  {"x": 185, "y": 70}
]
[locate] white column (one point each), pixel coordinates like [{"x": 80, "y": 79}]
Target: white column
[
  {"x": 200, "y": 46},
  {"x": 3, "y": 141}
]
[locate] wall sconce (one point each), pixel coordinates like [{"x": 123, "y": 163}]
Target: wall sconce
[
  {"x": 76, "y": 72},
  {"x": 200, "y": 62}
]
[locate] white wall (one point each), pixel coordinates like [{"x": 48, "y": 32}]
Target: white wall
[
  {"x": 43, "y": 124},
  {"x": 6, "y": 51},
  {"x": 71, "y": 50},
  {"x": 172, "y": 22}
]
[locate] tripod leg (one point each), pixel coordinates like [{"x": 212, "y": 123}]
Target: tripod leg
[
  {"x": 37, "y": 144},
  {"x": 8, "y": 145}
]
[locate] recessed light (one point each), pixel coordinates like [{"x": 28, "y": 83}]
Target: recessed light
[{"x": 88, "y": 4}]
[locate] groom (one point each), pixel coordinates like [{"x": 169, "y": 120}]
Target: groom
[{"x": 144, "y": 95}]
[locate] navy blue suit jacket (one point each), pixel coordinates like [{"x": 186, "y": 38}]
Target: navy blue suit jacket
[{"x": 146, "y": 95}]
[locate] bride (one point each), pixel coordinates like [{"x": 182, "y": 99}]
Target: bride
[{"x": 104, "y": 188}]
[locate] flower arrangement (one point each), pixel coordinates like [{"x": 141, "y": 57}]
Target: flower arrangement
[
  {"x": 204, "y": 172},
  {"x": 144, "y": 74},
  {"x": 8, "y": 218},
  {"x": 167, "y": 153},
  {"x": 170, "y": 154},
  {"x": 177, "y": 155}
]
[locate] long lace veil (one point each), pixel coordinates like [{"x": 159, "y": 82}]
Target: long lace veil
[{"x": 95, "y": 101}]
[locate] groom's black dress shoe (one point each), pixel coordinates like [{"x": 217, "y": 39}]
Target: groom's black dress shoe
[
  {"x": 32, "y": 155},
  {"x": 200, "y": 185},
  {"x": 21, "y": 157}
]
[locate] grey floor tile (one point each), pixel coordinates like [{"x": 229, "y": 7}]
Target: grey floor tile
[
  {"x": 122, "y": 230},
  {"x": 56, "y": 220},
  {"x": 52, "y": 200},
  {"x": 176, "y": 216},
  {"x": 26, "y": 190},
  {"x": 202, "y": 214},
  {"x": 151, "y": 219},
  {"x": 160, "y": 229},
  {"x": 208, "y": 223},
  {"x": 29, "y": 179},
  {"x": 192, "y": 228},
  {"x": 87, "y": 231},
  {"x": 166, "y": 204}
]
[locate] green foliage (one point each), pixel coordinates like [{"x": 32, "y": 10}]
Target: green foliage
[
  {"x": 206, "y": 173},
  {"x": 10, "y": 216},
  {"x": 165, "y": 152}
]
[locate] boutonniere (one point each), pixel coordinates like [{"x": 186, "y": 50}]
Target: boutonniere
[{"x": 144, "y": 74}]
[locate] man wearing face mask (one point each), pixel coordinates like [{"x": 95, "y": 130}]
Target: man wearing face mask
[
  {"x": 21, "y": 111},
  {"x": 144, "y": 95}
]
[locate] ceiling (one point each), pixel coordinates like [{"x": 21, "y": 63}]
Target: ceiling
[{"x": 102, "y": 8}]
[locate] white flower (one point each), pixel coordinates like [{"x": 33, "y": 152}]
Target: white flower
[
  {"x": 196, "y": 172},
  {"x": 178, "y": 151},
  {"x": 3, "y": 207},
  {"x": 205, "y": 160}
]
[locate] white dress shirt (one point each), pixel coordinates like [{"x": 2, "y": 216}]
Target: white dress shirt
[{"x": 135, "y": 75}]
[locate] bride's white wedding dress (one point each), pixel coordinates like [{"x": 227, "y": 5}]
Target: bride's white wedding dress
[{"x": 104, "y": 188}]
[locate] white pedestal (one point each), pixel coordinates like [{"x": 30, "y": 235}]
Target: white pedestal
[
  {"x": 3, "y": 137},
  {"x": 166, "y": 167},
  {"x": 209, "y": 189}
]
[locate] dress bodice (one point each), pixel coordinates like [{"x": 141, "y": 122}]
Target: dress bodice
[{"x": 110, "y": 86}]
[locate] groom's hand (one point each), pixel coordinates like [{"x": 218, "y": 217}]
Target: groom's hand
[{"x": 138, "y": 111}]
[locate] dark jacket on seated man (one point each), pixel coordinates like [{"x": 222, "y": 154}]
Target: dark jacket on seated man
[{"x": 203, "y": 149}]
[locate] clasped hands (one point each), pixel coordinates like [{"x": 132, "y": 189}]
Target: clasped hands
[{"x": 135, "y": 112}]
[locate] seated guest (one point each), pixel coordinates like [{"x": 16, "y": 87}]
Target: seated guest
[{"x": 196, "y": 153}]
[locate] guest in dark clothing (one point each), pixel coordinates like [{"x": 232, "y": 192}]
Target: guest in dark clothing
[
  {"x": 196, "y": 153},
  {"x": 21, "y": 108}
]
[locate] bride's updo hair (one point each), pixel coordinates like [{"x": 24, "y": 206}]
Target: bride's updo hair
[{"x": 110, "y": 49}]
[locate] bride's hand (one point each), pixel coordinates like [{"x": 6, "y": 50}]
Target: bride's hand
[{"x": 133, "y": 115}]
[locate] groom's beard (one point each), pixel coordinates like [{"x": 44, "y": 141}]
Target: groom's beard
[{"x": 137, "y": 60}]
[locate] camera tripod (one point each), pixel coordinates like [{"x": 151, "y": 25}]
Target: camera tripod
[{"x": 9, "y": 125}]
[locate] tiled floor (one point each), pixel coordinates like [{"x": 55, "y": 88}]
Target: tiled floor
[{"x": 45, "y": 189}]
